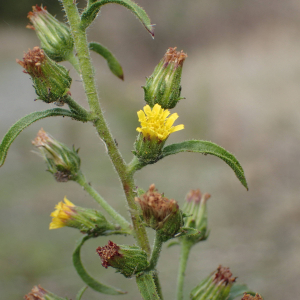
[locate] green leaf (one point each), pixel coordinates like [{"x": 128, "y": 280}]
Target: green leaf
[
  {"x": 238, "y": 290},
  {"x": 90, "y": 281},
  {"x": 24, "y": 122},
  {"x": 80, "y": 293},
  {"x": 147, "y": 287},
  {"x": 112, "y": 62},
  {"x": 206, "y": 147},
  {"x": 90, "y": 13}
]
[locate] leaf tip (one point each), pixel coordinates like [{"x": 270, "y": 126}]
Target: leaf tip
[{"x": 150, "y": 28}]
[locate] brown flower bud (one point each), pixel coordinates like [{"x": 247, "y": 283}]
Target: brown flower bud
[
  {"x": 128, "y": 260},
  {"x": 160, "y": 213}
]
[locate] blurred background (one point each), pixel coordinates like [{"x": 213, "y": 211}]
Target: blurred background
[{"x": 241, "y": 81}]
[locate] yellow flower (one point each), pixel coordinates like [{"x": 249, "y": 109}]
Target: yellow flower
[
  {"x": 155, "y": 123},
  {"x": 63, "y": 212}
]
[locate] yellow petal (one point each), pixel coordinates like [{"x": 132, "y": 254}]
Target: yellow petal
[{"x": 68, "y": 202}]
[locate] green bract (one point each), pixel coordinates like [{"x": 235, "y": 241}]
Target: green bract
[
  {"x": 62, "y": 162},
  {"x": 163, "y": 86},
  {"x": 56, "y": 39},
  {"x": 50, "y": 80}
]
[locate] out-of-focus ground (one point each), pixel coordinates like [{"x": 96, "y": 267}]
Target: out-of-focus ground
[{"x": 242, "y": 87}]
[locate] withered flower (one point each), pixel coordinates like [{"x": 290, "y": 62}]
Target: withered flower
[{"x": 160, "y": 213}]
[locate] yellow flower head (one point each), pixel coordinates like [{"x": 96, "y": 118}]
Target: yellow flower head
[
  {"x": 155, "y": 123},
  {"x": 63, "y": 212}
]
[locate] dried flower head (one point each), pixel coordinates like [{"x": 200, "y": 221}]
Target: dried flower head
[
  {"x": 250, "y": 297},
  {"x": 223, "y": 276},
  {"x": 37, "y": 293},
  {"x": 160, "y": 213},
  {"x": 50, "y": 80},
  {"x": 216, "y": 286},
  {"x": 128, "y": 260},
  {"x": 32, "y": 62},
  {"x": 155, "y": 206},
  {"x": 175, "y": 57},
  {"x": 155, "y": 123},
  {"x": 108, "y": 253}
]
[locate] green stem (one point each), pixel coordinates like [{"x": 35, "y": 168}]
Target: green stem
[
  {"x": 155, "y": 253},
  {"x": 75, "y": 107},
  {"x": 184, "y": 255},
  {"x": 72, "y": 59},
  {"x": 114, "y": 214},
  {"x": 158, "y": 285},
  {"x": 135, "y": 165},
  {"x": 88, "y": 79}
]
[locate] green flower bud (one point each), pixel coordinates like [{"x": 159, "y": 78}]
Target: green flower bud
[
  {"x": 63, "y": 162},
  {"x": 87, "y": 220},
  {"x": 156, "y": 126},
  {"x": 196, "y": 211},
  {"x": 163, "y": 86},
  {"x": 160, "y": 213},
  {"x": 215, "y": 287},
  {"x": 38, "y": 293},
  {"x": 50, "y": 80},
  {"x": 56, "y": 39},
  {"x": 128, "y": 260}
]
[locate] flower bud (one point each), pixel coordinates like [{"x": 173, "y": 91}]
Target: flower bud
[
  {"x": 163, "y": 86},
  {"x": 160, "y": 213},
  {"x": 50, "y": 80},
  {"x": 215, "y": 287},
  {"x": 38, "y": 293},
  {"x": 196, "y": 211},
  {"x": 56, "y": 39},
  {"x": 128, "y": 260},
  {"x": 63, "y": 162},
  {"x": 250, "y": 297},
  {"x": 156, "y": 126},
  {"x": 88, "y": 221}
]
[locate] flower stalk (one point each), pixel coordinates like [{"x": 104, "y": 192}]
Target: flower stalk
[{"x": 110, "y": 210}]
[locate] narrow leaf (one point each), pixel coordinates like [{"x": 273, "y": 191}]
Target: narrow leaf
[
  {"x": 91, "y": 12},
  {"x": 24, "y": 122},
  {"x": 206, "y": 147},
  {"x": 147, "y": 287},
  {"x": 238, "y": 290},
  {"x": 112, "y": 62},
  {"x": 80, "y": 293},
  {"x": 90, "y": 281}
]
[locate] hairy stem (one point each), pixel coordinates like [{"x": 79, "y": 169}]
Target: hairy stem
[
  {"x": 88, "y": 79},
  {"x": 72, "y": 59},
  {"x": 184, "y": 255},
  {"x": 114, "y": 214},
  {"x": 77, "y": 108},
  {"x": 155, "y": 252}
]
